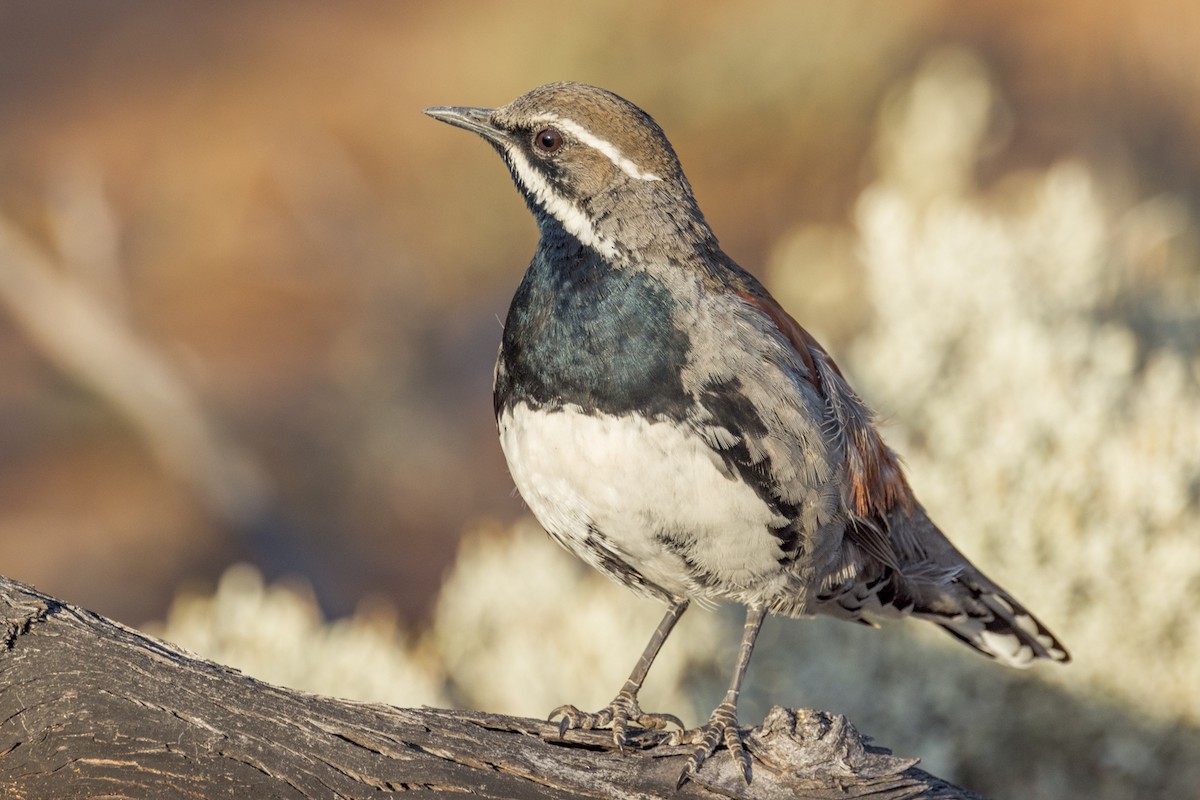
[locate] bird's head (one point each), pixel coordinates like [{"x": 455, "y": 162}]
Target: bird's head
[{"x": 591, "y": 162}]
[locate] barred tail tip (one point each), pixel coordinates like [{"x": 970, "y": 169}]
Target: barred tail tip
[{"x": 1009, "y": 634}]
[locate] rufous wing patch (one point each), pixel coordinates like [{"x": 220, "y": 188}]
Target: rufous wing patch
[{"x": 877, "y": 483}]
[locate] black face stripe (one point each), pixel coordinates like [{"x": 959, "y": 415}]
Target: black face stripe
[{"x": 549, "y": 171}]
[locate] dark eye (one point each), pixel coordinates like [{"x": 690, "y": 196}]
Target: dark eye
[{"x": 548, "y": 140}]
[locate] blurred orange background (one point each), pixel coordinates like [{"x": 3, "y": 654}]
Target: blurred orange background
[{"x": 251, "y": 293}]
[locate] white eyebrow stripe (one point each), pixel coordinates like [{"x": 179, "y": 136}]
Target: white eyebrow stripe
[
  {"x": 607, "y": 148},
  {"x": 570, "y": 215}
]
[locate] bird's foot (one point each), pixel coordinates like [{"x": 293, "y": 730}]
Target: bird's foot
[
  {"x": 618, "y": 714},
  {"x": 721, "y": 728}
]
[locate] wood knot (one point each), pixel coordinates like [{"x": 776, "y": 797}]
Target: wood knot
[{"x": 813, "y": 744}]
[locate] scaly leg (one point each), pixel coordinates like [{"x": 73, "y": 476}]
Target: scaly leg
[
  {"x": 624, "y": 708},
  {"x": 722, "y": 726}
]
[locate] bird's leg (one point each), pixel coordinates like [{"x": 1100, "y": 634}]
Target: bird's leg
[
  {"x": 624, "y": 707},
  {"x": 722, "y": 725}
]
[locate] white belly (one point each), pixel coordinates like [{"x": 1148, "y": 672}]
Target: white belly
[{"x": 653, "y": 494}]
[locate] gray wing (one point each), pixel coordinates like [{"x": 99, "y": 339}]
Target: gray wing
[{"x": 783, "y": 418}]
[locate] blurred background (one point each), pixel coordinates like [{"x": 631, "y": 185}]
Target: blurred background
[{"x": 250, "y": 302}]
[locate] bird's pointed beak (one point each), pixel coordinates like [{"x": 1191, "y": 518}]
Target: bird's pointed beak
[{"x": 476, "y": 120}]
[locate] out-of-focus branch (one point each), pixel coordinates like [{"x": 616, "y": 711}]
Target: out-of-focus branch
[{"x": 88, "y": 338}]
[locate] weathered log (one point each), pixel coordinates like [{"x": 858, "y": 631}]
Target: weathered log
[{"x": 92, "y": 708}]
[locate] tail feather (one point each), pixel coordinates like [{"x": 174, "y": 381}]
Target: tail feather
[
  {"x": 995, "y": 624},
  {"x": 935, "y": 582},
  {"x": 1000, "y": 627}
]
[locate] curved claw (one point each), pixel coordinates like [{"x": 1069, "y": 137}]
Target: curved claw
[
  {"x": 563, "y": 724},
  {"x": 622, "y": 711},
  {"x": 620, "y": 730},
  {"x": 574, "y": 719},
  {"x": 659, "y": 722},
  {"x": 721, "y": 728}
]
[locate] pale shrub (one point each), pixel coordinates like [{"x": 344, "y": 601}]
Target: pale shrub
[{"x": 277, "y": 634}]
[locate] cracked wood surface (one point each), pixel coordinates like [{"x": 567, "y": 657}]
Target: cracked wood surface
[{"x": 91, "y": 708}]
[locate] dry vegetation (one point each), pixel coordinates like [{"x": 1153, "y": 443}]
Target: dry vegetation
[{"x": 250, "y": 210}]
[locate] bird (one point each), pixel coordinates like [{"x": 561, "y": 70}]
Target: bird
[{"x": 669, "y": 423}]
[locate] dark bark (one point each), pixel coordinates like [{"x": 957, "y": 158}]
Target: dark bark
[{"x": 91, "y": 708}]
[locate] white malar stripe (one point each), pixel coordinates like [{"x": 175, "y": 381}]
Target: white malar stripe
[
  {"x": 572, "y": 218},
  {"x": 607, "y": 148}
]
